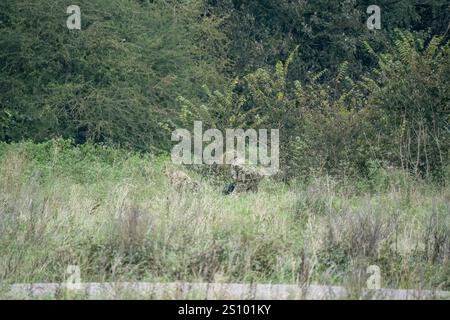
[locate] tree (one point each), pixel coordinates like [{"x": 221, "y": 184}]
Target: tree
[{"x": 115, "y": 80}]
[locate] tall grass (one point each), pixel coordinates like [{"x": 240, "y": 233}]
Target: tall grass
[{"x": 115, "y": 215}]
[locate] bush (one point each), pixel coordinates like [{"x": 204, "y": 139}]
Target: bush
[
  {"x": 411, "y": 89},
  {"x": 115, "y": 81}
]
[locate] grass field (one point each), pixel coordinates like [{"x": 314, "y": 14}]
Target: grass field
[{"x": 115, "y": 215}]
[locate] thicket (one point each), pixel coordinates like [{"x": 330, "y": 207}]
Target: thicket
[{"x": 346, "y": 99}]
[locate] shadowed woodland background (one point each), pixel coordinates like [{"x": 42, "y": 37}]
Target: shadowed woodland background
[{"x": 345, "y": 98}]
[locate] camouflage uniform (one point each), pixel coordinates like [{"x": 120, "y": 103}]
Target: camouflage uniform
[
  {"x": 245, "y": 177},
  {"x": 180, "y": 180}
]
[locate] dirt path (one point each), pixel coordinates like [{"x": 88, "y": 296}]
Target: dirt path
[{"x": 145, "y": 290}]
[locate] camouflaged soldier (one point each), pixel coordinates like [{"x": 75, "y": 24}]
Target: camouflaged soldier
[{"x": 246, "y": 178}]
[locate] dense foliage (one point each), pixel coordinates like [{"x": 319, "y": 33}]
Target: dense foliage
[
  {"x": 115, "y": 80},
  {"x": 86, "y": 118},
  {"x": 115, "y": 215},
  {"x": 346, "y": 99}
]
